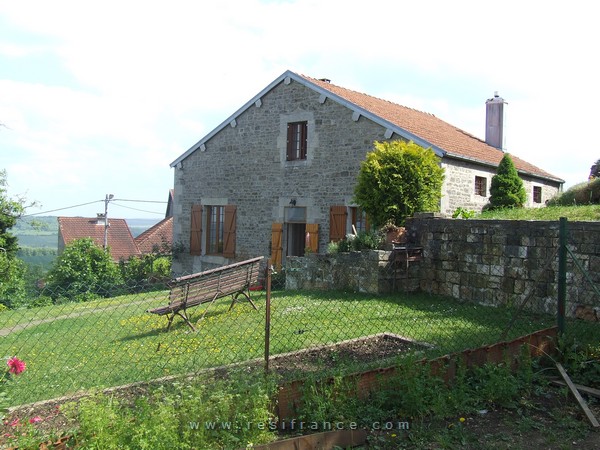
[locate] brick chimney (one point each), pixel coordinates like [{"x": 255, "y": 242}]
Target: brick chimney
[{"x": 494, "y": 121}]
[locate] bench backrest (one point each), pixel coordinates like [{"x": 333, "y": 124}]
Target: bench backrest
[{"x": 215, "y": 283}]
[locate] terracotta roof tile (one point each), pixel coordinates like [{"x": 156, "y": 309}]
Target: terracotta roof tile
[
  {"x": 454, "y": 141},
  {"x": 120, "y": 239},
  {"x": 158, "y": 236}
]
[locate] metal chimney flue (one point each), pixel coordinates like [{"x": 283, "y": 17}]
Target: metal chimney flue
[{"x": 494, "y": 121}]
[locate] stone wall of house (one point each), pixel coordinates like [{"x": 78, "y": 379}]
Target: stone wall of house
[
  {"x": 245, "y": 165},
  {"x": 459, "y": 187}
]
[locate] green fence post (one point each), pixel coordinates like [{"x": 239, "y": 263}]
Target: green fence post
[{"x": 562, "y": 274}]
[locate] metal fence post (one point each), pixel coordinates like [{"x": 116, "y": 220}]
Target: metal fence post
[{"x": 562, "y": 274}]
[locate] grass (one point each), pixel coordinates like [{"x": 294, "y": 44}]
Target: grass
[
  {"x": 581, "y": 213},
  {"x": 74, "y": 347}
]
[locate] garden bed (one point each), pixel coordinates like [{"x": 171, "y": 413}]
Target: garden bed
[{"x": 360, "y": 351}]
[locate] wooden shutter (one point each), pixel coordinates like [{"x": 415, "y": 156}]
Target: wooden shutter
[
  {"x": 312, "y": 229},
  {"x": 337, "y": 223},
  {"x": 229, "y": 231},
  {"x": 276, "y": 244},
  {"x": 196, "y": 231}
]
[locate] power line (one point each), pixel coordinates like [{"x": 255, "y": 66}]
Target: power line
[
  {"x": 102, "y": 201},
  {"x": 137, "y": 201},
  {"x": 137, "y": 209},
  {"x": 61, "y": 209}
]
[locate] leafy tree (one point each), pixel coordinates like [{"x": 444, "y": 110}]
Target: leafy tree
[
  {"x": 507, "y": 190},
  {"x": 12, "y": 270},
  {"x": 398, "y": 179},
  {"x": 595, "y": 170},
  {"x": 10, "y": 211},
  {"x": 83, "y": 271}
]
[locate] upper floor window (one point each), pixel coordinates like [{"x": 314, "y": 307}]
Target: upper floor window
[
  {"x": 537, "y": 194},
  {"x": 296, "y": 140},
  {"x": 481, "y": 186}
]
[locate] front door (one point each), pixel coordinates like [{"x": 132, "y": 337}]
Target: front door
[
  {"x": 296, "y": 239},
  {"x": 295, "y": 231}
]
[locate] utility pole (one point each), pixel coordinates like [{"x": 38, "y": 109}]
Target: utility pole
[{"x": 108, "y": 198}]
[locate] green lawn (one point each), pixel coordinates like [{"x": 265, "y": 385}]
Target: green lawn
[{"x": 74, "y": 347}]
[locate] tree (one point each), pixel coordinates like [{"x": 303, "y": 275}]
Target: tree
[
  {"x": 12, "y": 270},
  {"x": 83, "y": 271},
  {"x": 398, "y": 179},
  {"x": 595, "y": 170},
  {"x": 507, "y": 190}
]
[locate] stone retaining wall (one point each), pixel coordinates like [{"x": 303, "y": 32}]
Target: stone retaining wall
[
  {"x": 491, "y": 262},
  {"x": 501, "y": 262}
]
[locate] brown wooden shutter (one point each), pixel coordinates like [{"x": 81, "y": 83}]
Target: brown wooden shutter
[
  {"x": 337, "y": 223},
  {"x": 276, "y": 244},
  {"x": 196, "y": 231},
  {"x": 229, "y": 231},
  {"x": 313, "y": 237}
]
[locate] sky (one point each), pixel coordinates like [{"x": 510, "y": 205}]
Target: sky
[{"x": 98, "y": 98}]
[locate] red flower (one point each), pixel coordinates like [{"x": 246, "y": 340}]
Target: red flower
[
  {"x": 15, "y": 365},
  {"x": 35, "y": 419}
]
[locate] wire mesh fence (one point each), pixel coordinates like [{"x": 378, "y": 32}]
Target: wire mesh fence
[{"x": 113, "y": 340}]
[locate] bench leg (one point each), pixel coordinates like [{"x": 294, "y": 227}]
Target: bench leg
[
  {"x": 235, "y": 297},
  {"x": 184, "y": 316}
]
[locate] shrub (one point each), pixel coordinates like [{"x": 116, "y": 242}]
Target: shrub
[
  {"x": 581, "y": 194},
  {"x": 83, "y": 271},
  {"x": 507, "y": 190},
  {"x": 364, "y": 240},
  {"x": 398, "y": 179}
]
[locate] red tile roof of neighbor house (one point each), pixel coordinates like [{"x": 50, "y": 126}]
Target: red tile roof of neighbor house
[
  {"x": 120, "y": 240},
  {"x": 156, "y": 238},
  {"x": 455, "y": 142}
]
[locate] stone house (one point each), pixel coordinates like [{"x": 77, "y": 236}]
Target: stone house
[{"x": 277, "y": 177}]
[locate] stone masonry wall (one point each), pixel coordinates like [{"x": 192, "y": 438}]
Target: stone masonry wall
[
  {"x": 489, "y": 262},
  {"x": 505, "y": 262}
]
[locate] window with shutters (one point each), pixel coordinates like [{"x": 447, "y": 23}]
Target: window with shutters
[
  {"x": 297, "y": 141},
  {"x": 215, "y": 227}
]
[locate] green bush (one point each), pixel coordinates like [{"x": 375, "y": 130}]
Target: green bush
[
  {"x": 364, "y": 240},
  {"x": 507, "y": 190},
  {"x": 587, "y": 193},
  {"x": 398, "y": 179},
  {"x": 83, "y": 271}
]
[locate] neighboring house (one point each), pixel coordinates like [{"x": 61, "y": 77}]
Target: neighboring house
[
  {"x": 278, "y": 176},
  {"x": 118, "y": 236},
  {"x": 119, "y": 239},
  {"x": 157, "y": 239}
]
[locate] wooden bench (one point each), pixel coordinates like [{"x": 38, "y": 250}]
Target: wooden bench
[{"x": 208, "y": 286}]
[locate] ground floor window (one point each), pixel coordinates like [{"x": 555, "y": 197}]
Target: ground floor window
[{"x": 214, "y": 232}]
